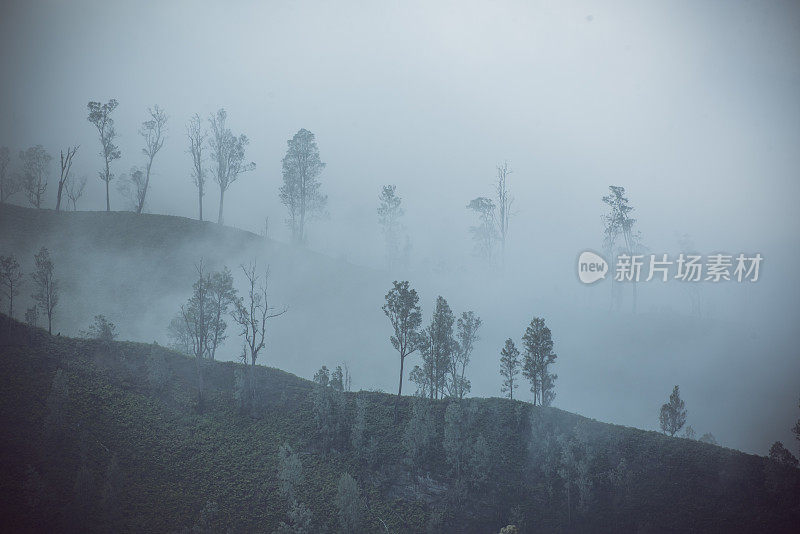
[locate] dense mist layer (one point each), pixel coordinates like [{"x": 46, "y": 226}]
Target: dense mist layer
[{"x": 693, "y": 109}]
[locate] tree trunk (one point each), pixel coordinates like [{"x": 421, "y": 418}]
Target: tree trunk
[
  {"x": 221, "y": 200},
  {"x": 399, "y": 389},
  {"x": 200, "y": 199},
  {"x": 58, "y": 197},
  {"x": 108, "y": 201}
]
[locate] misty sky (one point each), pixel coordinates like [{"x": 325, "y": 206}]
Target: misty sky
[{"x": 692, "y": 106}]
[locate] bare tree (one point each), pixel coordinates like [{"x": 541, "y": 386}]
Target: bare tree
[
  {"x": 10, "y": 182},
  {"x": 100, "y": 117},
  {"x": 227, "y": 153},
  {"x": 46, "y": 295},
  {"x": 402, "y": 309},
  {"x": 619, "y": 223},
  {"x": 197, "y": 140},
  {"x": 66, "y": 165},
  {"x": 75, "y": 187},
  {"x": 10, "y": 276},
  {"x": 300, "y": 192},
  {"x": 504, "y": 201},
  {"x": 253, "y": 311},
  {"x": 153, "y": 131},
  {"x": 36, "y": 169}
]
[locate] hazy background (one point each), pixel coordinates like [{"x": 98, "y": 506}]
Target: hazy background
[{"x": 692, "y": 106}]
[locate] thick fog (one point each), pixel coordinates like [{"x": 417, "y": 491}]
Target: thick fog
[{"x": 692, "y": 107}]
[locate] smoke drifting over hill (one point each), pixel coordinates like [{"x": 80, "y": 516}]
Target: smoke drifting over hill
[{"x": 693, "y": 110}]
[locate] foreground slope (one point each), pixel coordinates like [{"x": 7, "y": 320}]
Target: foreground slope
[{"x": 124, "y": 446}]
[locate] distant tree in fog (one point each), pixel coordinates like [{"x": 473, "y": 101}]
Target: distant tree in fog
[
  {"x": 10, "y": 277},
  {"x": 132, "y": 187},
  {"x": 63, "y": 179},
  {"x": 504, "y": 201},
  {"x": 300, "y": 192},
  {"x": 466, "y": 337},
  {"x": 222, "y": 296},
  {"x": 101, "y": 329},
  {"x": 227, "y": 155},
  {"x": 45, "y": 285},
  {"x": 75, "y": 187},
  {"x": 323, "y": 376},
  {"x": 484, "y": 234},
  {"x": 35, "y": 172},
  {"x": 780, "y": 454},
  {"x": 389, "y": 213},
  {"x": 100, "y": 117},
  {"x": 402, "y": 309},
  {"x": 509, "y": 368},
  {"x": 153, "y": 131},
  {"x": 252, "y": 311},
  {"x": 197, "y": 140},
  {"x": 618, "y": 231},
  {"x": 537, "y": 359},
  {"x": 673, "y": 414},
  {"x": 688, "y": 432},
  {"x": 709, "y": 438},
  {"x": 337, "y": 379},
  {"x": 10, "y": 182},
  {"x": 179, "y": 335}
]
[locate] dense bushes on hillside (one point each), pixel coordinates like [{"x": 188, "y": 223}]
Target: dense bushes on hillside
[{"x": 107, "y": 436}]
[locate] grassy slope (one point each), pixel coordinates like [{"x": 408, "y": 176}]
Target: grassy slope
[{"x": 173, "y": 458}]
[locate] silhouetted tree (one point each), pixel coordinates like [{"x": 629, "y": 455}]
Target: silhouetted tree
[
  {"x": 10, "y": 277},
  {"x": 438, "y": 347},
  {"x": 46, "y": 286},
  {"x": 402, "y": 309},
  {"x": 673, "y": 414},
  {"x": 101, "y": 329},
  {"x": 484, "y": 234},
  {"x": 66, "y": 166},
  {"x": 35, "y": 172},
  {"x": 153, "y": 131},
  {"x": 780, "y": 454},
  {"x": 227, "y": 155},
  {"x": 198, "y": 318},
  {"x": 538, "y": 344},
  {"x": 323, "y": 376},
  {"x": 300, "y": 192},
  {"x": 466, "y": 336},
  {"x": 509, "y": 367},
  {"x": 10, "y": 182},
  {"x": 100, "y": 117},
  {"x": 337, "y": 379},
  {"x": 197, "y": 140},
  {"x": 389, "y": 213},
  {"x": 252, "y": 311},
  {"x": 132, "y": 187}
]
